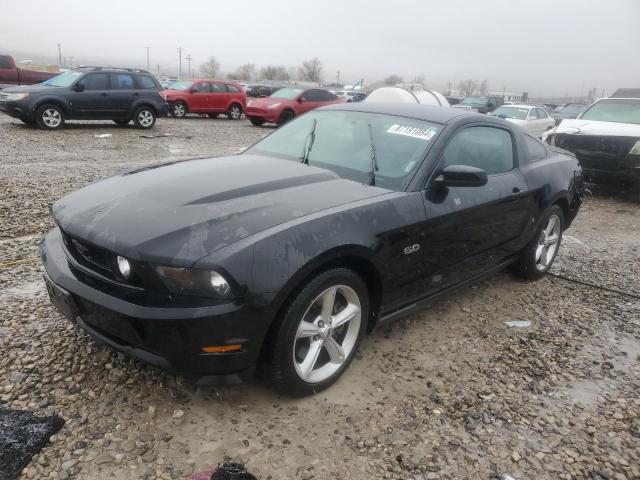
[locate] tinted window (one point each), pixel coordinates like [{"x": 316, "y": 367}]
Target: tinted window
[
  {"x": 326, "y": 95},
  {"x": 202, "y": 87},
  {"x": 487, "y": 148},
  {"x": 94, "y": 81},
  {"x": 121, "y": 81},
  {"x": 218, "y": 88},
  {"x": 145, "y": 82},
  {"x": 232, "y": 88},
  {"x": 5, "y": 62},
  {"x": 535, "y": 148},
  {"x": 313, "y": 96}
]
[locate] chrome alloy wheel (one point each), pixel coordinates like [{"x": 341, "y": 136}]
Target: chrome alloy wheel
[
  {"x": 179, "y": 110},
  {"x": 548, "y": 243},
  {"x": 235, "y": 112},
  {"x": 327, "y": 334},
  {"x": 145, "y": 118},
  {"x": 51, "y": 118}
]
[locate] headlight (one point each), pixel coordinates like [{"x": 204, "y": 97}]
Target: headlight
[
  {"x": 194, "y": 281},
  {"x": 10, "y": 97},
  {"x": 635, "y": 150},
  {"x": 274, "y": 105},
  {"x": 124, "y": 267}
]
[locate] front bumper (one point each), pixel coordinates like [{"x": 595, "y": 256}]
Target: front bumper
[
  {"x": 15, "y": 109},
  {"x": 268, "y": 115},
  {"x": 170, "y": 338}
]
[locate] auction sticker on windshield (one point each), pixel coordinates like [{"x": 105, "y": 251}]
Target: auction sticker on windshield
[{"x": 415, "y": 132}]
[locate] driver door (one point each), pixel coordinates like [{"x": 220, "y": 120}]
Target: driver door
[{"x": 471, "y": 229}]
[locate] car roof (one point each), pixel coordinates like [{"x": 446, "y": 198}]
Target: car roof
[
  {"x": 519, "y": 105},
  {"x": 418, "y": 111}
]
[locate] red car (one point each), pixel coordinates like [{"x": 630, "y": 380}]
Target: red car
[
  {"x": 285, "y": 104},
  {"x": 205, "y": 96}
]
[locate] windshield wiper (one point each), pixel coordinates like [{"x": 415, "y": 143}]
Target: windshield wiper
[
  {"x": 308, "y": 144},
  {"x": 374, "y": 161}
]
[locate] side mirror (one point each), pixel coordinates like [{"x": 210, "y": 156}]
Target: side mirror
[
  {"x": 301, "y": 99},
  {"x": 78, "y": 87},
  {"x": 193, "y": 90},
  {"x": 461, "y": 176}
]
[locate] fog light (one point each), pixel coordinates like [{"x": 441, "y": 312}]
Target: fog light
[
  {"x": 124, "y": 267},
  {"x": 219, "y": 284}
]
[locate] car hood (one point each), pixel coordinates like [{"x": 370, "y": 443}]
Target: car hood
[
  {"x": 176, "y": 213},
  {"x": 265, "y": 102},
  {"x": 592, "y": 127}
]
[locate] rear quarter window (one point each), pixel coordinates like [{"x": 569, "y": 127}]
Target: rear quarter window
[
  {"x": 232, "y": 88},
  {"x": 5, "y": 62},
  {"x": 535, "y": 149},
  {"x": 145, "y": 82}
]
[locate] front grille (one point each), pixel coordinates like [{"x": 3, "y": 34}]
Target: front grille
[
  {"x": 597, "y": 152},
  {"x": 95, "y": 258}
]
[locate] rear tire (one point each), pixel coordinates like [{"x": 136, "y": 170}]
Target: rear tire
[
  {"x": 235, "y": 112},
  {"x": 319, "y": 332},
  {"x": 538, "y": 256},
  {"x": 257, "y": 121},
  {"x": 50, "y": 117},
  {"x": 144, "y": 118},
  {"x": 285, "y": 117},
  {"x": 178, "y": 109}
]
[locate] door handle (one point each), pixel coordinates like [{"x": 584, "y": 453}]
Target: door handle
[{"x": 515, "y": 190}]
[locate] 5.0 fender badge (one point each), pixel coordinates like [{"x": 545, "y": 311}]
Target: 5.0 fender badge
[{"x": 411, "y": 249}]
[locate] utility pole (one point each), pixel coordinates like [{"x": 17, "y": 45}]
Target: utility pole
[
  {"x": 188, "y": 59},
  {"x": 180, "y": 62},
  {"x": 338, "y": 78},
  {"x": 148, "y": 67},
  {"x": 59, "y": 56},
  {"x": 158, "y": 69}
]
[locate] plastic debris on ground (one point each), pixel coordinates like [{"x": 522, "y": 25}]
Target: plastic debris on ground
[
  {"x": 22, "y": 435},
  {"x": 573, "y": 240},
  {"x": 227, "y": 471},
  {"x": 518, "y": 323},
  {"x": 103, "y": 135}
]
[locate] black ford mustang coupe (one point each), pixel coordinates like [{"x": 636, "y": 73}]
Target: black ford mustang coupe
[{"x": 287, "y": 254}]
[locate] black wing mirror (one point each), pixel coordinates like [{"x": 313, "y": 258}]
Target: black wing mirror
[
  {"x": 78, "y": 87},
  {"x": 193, "y": 90},
  {"x": 302, "y": 99},
  {"x": 461, "y": 176}
]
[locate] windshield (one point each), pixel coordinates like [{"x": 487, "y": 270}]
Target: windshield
[
  {"x": 288, "y": 93},
  {"x": 475, "y": 101},
  {"x": 619, "y": 111},
  {"x": 181, "y": 85},
  {"x": 574, "y": 109},
  {"x": 511, "y": 112},
  {"x": 342, "y": 143},
  {"x": 63, "y": 80}
]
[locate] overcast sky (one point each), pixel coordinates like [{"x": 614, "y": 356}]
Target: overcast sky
[{"x": 544, "y": 47}]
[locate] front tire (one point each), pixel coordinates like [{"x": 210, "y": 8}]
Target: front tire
[
  {"x": 144, "y": 118},
  {"x": 257, "y": 121},
  {"x": 50, "y": 117},
  {"x": 285, "y": 117},
  {"x": 319, "y": 332},
  {"x": 178, "y": 109},
  {"x": 235, "y": 112},
  {"x": 538, "y": 256}
]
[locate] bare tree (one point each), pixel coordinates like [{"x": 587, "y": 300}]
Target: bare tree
[
  {"x": 210, "y": 68},
  {"x": 392, "y": 79},
  {"x": 484, "y": 86},
  {"x": 243, "y": 72},
  {"x": 272, "y": 72},
  {"x": 311, "y": 70},
  {"x": 467, "y": 87}
]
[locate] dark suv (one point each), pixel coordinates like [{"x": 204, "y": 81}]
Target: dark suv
[{"x": 89, "y": 93}]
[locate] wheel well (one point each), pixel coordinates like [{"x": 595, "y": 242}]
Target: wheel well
[
  {"x": 360, "y": 265},
  {"x": 563, "y": 203},
  {"x": 287, "y": 110},
  {"x": 236, "y": 103},
  {"x": 148, "y": 105},
  {"x": 57, "y": 103}
]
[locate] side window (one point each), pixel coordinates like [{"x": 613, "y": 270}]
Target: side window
[
  {"x": 122, "y": 81},
  {"x": 94, "y": 81},
  {"x": 312, "y": 96},
  {"x": 202, "y": 87},
  {"x": 5, "y": 63},
  {"x": 535, "y": 149},
  {"x": 541, "y": 113},
  {"x": 145, "y": 82},
  {"x": 533, "y": 114},
  {"x": 218, "y": 88},
  {"x": 327, "y": 96},
  {"x": 487, "y": 148},
  {"x": 232, "y": 88}
]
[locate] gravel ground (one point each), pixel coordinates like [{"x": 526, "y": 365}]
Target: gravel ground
[{"x": 451, "y": 392}]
